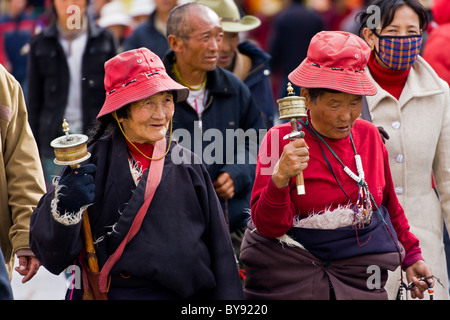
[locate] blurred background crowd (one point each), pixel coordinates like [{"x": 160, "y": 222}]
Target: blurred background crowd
[
  {"x": 282, "y": 34},
  {"x": 20, "y": 19}
]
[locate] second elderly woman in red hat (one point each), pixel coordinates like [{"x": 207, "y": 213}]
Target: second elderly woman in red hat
[{"x": 337, "y": 240}]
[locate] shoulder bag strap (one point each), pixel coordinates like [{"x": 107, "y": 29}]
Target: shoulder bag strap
[{"x": 153, "y": 179}]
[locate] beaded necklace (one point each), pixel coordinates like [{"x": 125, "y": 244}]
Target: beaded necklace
[
  {"x": 177, "y": 74},
  {"x": 363, "y": 206},
  {"x": 362, "y": 209}
]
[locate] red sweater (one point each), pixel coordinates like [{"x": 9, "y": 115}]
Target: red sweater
[
  {"x": 273, "y": 208},
  {"x": 393, "y": 81},
  {"x": 147, "y": 149}
]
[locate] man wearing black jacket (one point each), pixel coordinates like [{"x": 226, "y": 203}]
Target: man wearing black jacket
[
  {"x": 65, "y": 78},
  {"x": 218, "y": 107}
]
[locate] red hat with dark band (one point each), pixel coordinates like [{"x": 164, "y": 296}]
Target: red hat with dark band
[
  {"x": 135, "y": 75},
  {"x": 335, "y": 60}
]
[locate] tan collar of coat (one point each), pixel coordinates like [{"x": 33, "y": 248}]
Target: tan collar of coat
[
  {"x": 422, "y": 81},
  {"x": 242, "y": 65}
]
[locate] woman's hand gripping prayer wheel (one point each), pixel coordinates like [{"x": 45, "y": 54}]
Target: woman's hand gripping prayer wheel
[{"x": 293, "y": 160}]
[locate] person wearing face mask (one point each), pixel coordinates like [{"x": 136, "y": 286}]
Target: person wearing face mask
[{"x": 413, "y": 107}]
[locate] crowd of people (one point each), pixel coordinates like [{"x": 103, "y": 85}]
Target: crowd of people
[{"x": 175, "y": 209}]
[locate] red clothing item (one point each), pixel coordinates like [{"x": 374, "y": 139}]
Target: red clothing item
[
  {"x": 146, "y": 149},
  {"x": 441, "y": 11},
  {"x": 393, "y": 81},
  {"x": 273, "y": 209},
  {"x": 436, "y": 51}
]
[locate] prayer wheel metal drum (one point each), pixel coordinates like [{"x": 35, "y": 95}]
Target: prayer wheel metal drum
[
  {"x": 70, "y": 149},
  {"x": 292, "y": 106}
]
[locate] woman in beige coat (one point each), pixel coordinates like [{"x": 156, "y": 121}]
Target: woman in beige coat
[
  {"x": 412, "y": 105},
  {"x": 21, "y": 178}
]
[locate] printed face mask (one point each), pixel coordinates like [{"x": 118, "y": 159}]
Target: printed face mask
[{"x": 399, "y": 53}]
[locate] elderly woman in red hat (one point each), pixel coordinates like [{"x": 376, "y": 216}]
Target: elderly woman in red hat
[
  {"x": 337, "y": 240},
  {"x": 157, "y": 226}
]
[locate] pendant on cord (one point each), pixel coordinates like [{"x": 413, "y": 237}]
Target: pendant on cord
[{"x": 363, "y": 206}]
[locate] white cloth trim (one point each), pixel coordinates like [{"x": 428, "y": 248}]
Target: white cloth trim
[{"x": 68, "y": 218}]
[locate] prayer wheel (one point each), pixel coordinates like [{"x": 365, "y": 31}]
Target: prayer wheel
[
  {"x": 70, "y": 149},
  {"x": 291, "y": 108}
]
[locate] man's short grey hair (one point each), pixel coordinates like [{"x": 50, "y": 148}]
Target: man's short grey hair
[{"x": 179, "y": 20}]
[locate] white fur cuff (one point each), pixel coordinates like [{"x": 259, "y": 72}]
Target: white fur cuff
[{"x": 68, "y": 218}]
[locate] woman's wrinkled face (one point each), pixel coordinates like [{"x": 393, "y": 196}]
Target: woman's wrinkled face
[
  {"x": 333, "y": 114},
  {"x": 149, "y": 118}
]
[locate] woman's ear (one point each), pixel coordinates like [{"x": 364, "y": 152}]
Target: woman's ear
[
  {"x": 119, "y": 120},
  {"x": 305, "y": 94},
  {"x": 369, "y": 37}
]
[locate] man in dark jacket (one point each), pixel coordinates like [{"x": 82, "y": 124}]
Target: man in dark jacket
[
  {"x": 245, "y": 59},
  {"x": 219, "y": 108},
  {"x": 65, "y": 79}
]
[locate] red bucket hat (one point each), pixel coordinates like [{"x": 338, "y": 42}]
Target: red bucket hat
[
  {"x": 335, "y": 60},
  {"x": 135, "y": 75}
]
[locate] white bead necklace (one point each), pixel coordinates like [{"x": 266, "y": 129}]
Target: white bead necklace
[{"x": 363, "y": 207}]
